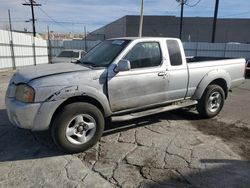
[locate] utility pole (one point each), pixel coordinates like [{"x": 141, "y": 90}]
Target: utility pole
[
  {"x": 182, "y": 3},
  {"x": 181, "y": 22},
  {"x": 215, "y": 20},
  {"x": 11, "y": 43},
  {"x": 32, "y": 4},
  {"x": 141, "y": 18}
]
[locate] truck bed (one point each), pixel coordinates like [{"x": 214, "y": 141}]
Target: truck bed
[
  {"x": 201, "y": 66},
  {"x": 197, "y": 59}
]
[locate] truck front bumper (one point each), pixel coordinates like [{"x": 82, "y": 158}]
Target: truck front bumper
[
  {"x": 33, "y": 116},
  {"x": 21, "y": 114}
]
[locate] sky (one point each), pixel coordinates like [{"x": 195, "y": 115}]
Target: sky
[{"x": 64, "y": 16}]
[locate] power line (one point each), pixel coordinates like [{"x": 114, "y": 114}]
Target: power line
[
  {"x": 42, "y": 20},
  {"x": 193, "y": 5},
  {"x": 172, "y": 8},
  {"x": 59, "y": 23},
  {"x": 12, "y": 21},
  {"x": 63, "y": 22},
  {"x": 183, "y": 3}
]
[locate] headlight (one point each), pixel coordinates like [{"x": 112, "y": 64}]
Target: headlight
[{"x": 25, "y": 93}]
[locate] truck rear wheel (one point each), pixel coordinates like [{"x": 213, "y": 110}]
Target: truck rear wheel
[
  {"x": 211, "y": 102},
  {"x": 77, "y": 127}
]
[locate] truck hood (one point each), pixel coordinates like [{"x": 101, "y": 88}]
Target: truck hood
[
  {"x": 25, "y": 75},
  {"x": 61, "y": 60}
]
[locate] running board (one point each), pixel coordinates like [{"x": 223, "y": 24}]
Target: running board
[{"x": 153, "y": 111}]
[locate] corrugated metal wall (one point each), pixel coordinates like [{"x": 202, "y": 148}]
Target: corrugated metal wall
[
  {"x": 80, "y": 44},
  {"x": 23, "y": 49},
  {"x": 5, "y": 51},
  {"x": 218, "y": 50}
]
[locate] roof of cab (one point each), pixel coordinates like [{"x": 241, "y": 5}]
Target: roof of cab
[{"x": 136, "y": 38}]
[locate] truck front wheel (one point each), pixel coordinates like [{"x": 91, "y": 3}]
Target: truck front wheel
[
  {"x": 211, "y": 102},
  {"x": 77, "y": 127}
]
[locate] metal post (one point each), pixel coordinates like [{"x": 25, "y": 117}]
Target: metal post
[
  {"x": 85, "y": 39},
  {"x": 225, "y": 49},
  {"x": 34, "y": 49},
  {"x": 141, "y": 18},
  {"x": 49, "y": 45},
  {"x": 197, "y": 46},
  {"x": 181, "y": 21},
  {"x": 215, "y": 20},
  {"x": 11, "y": 44}
]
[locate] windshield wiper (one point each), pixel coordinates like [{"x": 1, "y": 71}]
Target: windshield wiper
[{"x": 88, "y": 63}]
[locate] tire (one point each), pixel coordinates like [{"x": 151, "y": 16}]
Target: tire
[
  {"x": 77, "y": 127},
  {"x": 211, "y": 102}
]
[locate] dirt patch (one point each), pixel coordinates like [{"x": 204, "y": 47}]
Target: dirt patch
[{"x": 237, "y": 138}]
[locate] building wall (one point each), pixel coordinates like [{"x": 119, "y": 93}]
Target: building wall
[
  {"x": 195, "y": 29},
  {"x": 112, "y": 30}
]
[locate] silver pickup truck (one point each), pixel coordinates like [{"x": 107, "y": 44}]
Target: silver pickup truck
[{"x": 120, "y": 79}]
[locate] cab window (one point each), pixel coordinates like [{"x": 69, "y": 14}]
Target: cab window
[{"x": 145, "y": 54}]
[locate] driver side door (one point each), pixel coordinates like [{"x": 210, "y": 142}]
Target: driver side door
[{"x": 146, "y": 83}]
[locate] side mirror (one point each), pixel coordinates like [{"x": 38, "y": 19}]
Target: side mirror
[
  {"x": 123, "y": 65},
  {"x": 76, "y": 61}
]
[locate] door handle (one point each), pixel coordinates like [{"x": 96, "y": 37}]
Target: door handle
[{"x": 162, "y": 74}]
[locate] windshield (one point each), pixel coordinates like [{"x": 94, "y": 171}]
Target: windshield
[
  {"x": 104, "y": 53},
  {"x": 70, "y": 54}
]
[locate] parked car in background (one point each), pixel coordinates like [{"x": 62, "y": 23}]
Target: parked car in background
[
  {"x": 68, "y": 56},
  {"x": 248, "y": 68}
]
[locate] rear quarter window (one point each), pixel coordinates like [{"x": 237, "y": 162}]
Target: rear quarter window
[{"x": 174, "y": 53}]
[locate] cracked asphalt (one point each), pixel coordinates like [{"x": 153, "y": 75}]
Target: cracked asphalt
[{"x": 174, "y": 149}]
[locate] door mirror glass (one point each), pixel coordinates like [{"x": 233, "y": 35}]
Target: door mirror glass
[
  {"x": 74, "y": 60},
  {"x": 123, "y": 65}
]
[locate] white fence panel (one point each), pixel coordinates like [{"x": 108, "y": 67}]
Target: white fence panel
[
  {"x": 41, "y": 51},
  {"x": 5, "y": 51},
  {"x": 23, "y": 47}
]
